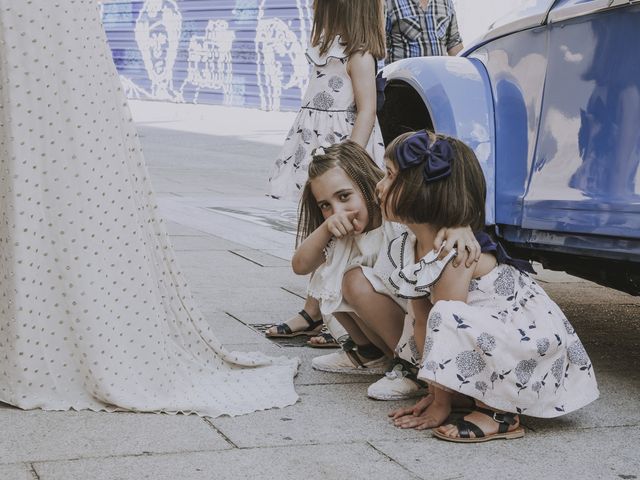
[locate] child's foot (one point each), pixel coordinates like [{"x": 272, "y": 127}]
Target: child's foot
[
  {"x": 433, "y": 416},
  {"x": 324, "y": 339},
  {"x": 300, "y": 324},
  {"x": 415, "y": 410},
  {"x": 481, "y": 425}
]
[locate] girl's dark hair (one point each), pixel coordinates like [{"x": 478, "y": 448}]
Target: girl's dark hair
[
  {"x": 360, "y": 23},
  {"x": 359, "y": 167},
  {"x": 457, "y": 200}
]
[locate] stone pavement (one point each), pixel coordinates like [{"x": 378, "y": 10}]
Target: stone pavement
[{"x": 209, "y": 166}]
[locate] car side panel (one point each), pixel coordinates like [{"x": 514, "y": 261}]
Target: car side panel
[
  {"x": 516, "y": 66},
  {"x": 586, "y": 171},
  {"x": 457, "y": 94}
]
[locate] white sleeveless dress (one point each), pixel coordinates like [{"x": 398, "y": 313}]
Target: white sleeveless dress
[
  {"x": 326, "y": 117},
  {"x": 94, "y": 312}
]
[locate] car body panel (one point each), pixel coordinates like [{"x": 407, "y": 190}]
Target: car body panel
[
  {"x": 516, "y": 68},
  {"x": 457, "y": 94},
  {"x": 562, "y": 108},
  {"x": 585, "y": 176}
]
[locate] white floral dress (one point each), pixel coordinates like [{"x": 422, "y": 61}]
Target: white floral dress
[
  {"x": 327, "y": 116},
  {"x": 351, "y": 252},
  {"x": 510, "y": 346}
]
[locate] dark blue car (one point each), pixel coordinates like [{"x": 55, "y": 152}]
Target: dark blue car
[{"x": 550, "y": 101}]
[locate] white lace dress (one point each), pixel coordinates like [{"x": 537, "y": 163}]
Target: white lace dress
[
  {"x": 326, "y": 117},
  {"x": 94, "y": 312},
  {"x": 351, "y": 252},
  {"x": 510, "y": 346}
]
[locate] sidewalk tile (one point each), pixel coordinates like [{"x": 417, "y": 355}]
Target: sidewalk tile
[
  {"x": 316, "y": 462},
  {"x": 36, "y": 435}
]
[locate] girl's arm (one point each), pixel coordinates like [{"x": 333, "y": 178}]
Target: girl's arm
[
  {"x": 362, "y": 70},
  {"x": 461, "y": 238},
  {"x": 310, "y": 254},
  {"x": 453, "y": 284},
  {"x": 419, "y": 308}
]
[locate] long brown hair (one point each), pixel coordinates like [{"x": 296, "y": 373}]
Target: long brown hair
[
  {"x": 359, "y": 167},
  {"x": 360, "y": 24},
  {"x": 454, "y": 201}
]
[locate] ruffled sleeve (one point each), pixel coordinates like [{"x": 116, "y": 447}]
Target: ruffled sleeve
[
  {"x": 410, "y": 279},
  {"x": 335, "y": 51}
]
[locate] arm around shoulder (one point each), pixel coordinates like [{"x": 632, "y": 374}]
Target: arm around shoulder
[{"x": 453, "y": 284}]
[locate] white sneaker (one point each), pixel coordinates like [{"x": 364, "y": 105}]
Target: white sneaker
[
  {"x": 343, "y": 362},
  {"x": 396, "y": 385}
]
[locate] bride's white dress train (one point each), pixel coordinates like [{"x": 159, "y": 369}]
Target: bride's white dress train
[{"x": 94, "y": 312}]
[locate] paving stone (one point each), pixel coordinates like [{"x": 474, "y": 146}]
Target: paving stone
[
  {"x": 16, "y": 472},
  {"x": 35, "y": 435},
  {"x": 198, "y": 243},
  {"x": 325, "y": 414},
  {"x": 229, "y": 330},
  {"x": 587, "y": 293},
  {"x": 306, "y": 374},
  {"x": 263, "y": 259},
  {"x": 316, "y": 462},
  {"x": 177, "y": 229},
  {"x": 594, "y": 454},
  {"x": 618, "y": 406}
]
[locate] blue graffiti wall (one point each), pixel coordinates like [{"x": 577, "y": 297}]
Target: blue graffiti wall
[{"x": 223, "y": 52}]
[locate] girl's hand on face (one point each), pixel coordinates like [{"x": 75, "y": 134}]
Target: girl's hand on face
[
  {"x": 342, "y": 224},
  {"x": 463, "y": 239}
]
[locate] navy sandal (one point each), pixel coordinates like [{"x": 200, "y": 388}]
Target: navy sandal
[
  {"x": 465, "y": 428},
  {"x": 284, "y": 331}
]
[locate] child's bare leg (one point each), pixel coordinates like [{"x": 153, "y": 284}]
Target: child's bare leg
[
  {"x": 382, "y": 316},
  {"x": 420, "y": 309},
  {"x": 433, "y": 416},
  {"x": 296, "y": 323},
  {"x": 358, "y": 334},
  {"x": 372, "y": 336}
]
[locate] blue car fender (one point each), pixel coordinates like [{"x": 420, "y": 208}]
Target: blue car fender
[{"x": 457, "y": 94}]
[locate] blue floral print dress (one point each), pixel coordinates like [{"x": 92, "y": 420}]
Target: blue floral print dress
[
  {"x": 327, "y": 116},
  {"x": 509, "y": 346}
]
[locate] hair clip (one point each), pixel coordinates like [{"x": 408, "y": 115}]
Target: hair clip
[{"x": 319, "y": 151}]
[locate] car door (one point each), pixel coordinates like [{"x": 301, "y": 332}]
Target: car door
[{"x": 585, "y": 176}]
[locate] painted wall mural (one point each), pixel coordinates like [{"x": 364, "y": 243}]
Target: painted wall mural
[{"x": 228, "y": 52}]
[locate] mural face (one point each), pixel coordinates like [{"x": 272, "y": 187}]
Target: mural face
[
  {"x": 250, "y": 54},
  {"x": 210, "y": 65},
  {"x": 157, "y": 33}
]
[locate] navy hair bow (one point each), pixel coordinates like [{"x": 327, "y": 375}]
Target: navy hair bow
[{"x": 416, "y": 150}]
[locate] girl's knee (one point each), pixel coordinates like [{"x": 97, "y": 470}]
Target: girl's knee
[{"x": 355, "y": 285}]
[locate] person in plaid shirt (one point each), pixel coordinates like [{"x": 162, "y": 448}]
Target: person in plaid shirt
[{"x": 417, "y": 28}]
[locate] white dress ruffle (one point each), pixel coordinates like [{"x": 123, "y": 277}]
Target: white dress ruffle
[{"x": 351, "y": 252}]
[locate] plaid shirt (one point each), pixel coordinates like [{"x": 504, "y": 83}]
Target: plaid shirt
[{"x": 416, "y": 32}]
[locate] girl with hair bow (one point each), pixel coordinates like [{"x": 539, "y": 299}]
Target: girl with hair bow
[
  {"x": 487, "y": 331},
  {"x": 341, "y": 235}
]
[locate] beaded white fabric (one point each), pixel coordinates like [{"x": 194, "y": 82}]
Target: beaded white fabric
[{"x": 94, "y": 311}]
